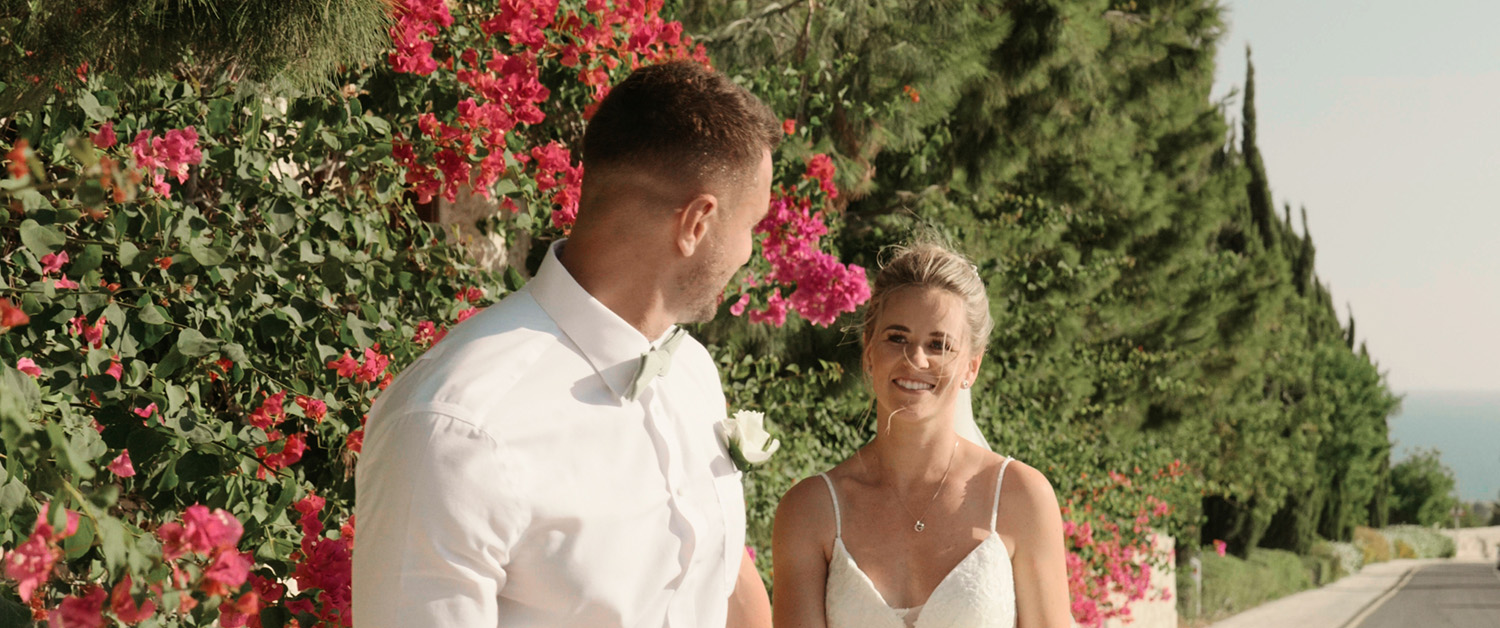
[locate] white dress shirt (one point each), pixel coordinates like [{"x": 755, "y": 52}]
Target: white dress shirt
[{"x": 506, "y": 481}]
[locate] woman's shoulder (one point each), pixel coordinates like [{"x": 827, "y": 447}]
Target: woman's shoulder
[
  {"x": 807, "y": 506},
  {"x": 1027, "y": 499}
]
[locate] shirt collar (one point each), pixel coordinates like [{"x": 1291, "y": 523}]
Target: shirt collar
[{"x": 611, "y": 345}]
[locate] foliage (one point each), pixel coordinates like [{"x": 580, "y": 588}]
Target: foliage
[
  {"x": 53, "y": 46},
  {"x": 1325, "y": 562},
  {"x": 1373, "y": 545},
  {"x": 1422, "y": 490},
  {"x": 1232, "y": 584},
  {"x": 196, "y": 320},
  {"x": 1422, "y": 541}
]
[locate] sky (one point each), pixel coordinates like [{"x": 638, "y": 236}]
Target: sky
[{"x": 1382, "y": 118}]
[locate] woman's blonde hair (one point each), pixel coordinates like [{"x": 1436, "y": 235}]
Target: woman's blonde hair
[{"x": 928, "y": 264}]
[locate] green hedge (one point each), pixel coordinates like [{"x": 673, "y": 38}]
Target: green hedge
[{"x": 1232, "y": 585}]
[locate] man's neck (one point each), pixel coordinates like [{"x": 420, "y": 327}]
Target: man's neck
[{"x": 625, "y": 281}]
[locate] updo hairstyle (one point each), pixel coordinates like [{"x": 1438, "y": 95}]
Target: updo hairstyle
[{"x": 927, "y": 264}]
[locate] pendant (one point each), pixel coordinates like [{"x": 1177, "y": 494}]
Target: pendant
[{"x": 920, "y": 526}]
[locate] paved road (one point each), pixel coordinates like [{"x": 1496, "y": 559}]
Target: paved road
[{"x": 1460, "y": 594}]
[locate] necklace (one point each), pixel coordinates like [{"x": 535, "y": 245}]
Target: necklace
[{"x": 920, "y": 525}]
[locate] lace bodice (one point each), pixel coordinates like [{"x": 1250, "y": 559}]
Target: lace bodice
[{"x": 978, "y": 593}]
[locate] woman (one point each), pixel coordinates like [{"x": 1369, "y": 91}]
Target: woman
[{"x": 921, "y": 527}]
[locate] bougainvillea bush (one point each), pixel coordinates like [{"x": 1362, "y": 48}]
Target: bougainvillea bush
[{"x": 201, "y": 294}]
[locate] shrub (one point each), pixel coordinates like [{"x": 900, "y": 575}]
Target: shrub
[
  {"x": 1404, "y": 550},
  {"x": 1232, "y": 584},
  {"x": 1375, "y": 547},
  {"x": 1325, "y": 563},
  {"x": 1351, "y": 557},
  {"x": 1422, "y": 541}
]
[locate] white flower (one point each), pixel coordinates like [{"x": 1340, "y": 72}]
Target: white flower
[{"x": 745, "y": 436}]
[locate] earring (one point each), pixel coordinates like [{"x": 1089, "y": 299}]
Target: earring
[{"x": 965, "y": 385}]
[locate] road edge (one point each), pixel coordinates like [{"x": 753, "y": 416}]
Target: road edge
[{"x": 1370, "y": 607}]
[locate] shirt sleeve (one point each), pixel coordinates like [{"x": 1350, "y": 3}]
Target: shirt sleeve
[{"x": 436, "y": 515}]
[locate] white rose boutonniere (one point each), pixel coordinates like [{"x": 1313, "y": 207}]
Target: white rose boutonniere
[{"x": 745, "y": 436}]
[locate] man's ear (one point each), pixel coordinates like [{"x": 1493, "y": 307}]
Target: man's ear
[{"x": 693, "y": 222}]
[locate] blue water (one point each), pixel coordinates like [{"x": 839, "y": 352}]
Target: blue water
[{"x": 1464, "y": 427}]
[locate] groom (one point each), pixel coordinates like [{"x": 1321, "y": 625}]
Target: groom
[{"x": 527, "y": 470}]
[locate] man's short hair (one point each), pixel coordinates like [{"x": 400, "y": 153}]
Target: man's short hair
[{"x": 679, "y": 121}]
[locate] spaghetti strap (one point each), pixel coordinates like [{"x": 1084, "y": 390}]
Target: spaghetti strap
[
  {"x": 838, "y": 523},
  {"x": 1000, "y": 479}
]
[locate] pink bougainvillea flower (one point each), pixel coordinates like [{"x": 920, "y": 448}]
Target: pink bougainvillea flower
[
  {"x": 70, "y": 525},
  {"x": 373, "y": 367},
  {"x": 228, "y": 571},
  {"x": 270, "y": 412},
  {"x": 115, "y": 370},
  {"x": 1220, "y": 547},
  {"x": 820, "y": 168},
  {"x": 426, "y": 330},
  {"x": 105, "y": 137},
  {"x": 146, "y": 412},
  {"x": 738, "y": 309},
  {"x": 314, "y": 409},
  {"x": 29, "y": 367},
  {"x": 235, "y": 613},
  {"x": 11, "y": 316},
  {"x": 86, "y": 611},
  {"x": 464, "y": 315},
  {"x": 122, "y": 466},
  {"x": 63, "y": 283},
  {"x": 789, "y": 126},
  {"x": 124, "y": 606},
  {"x": 471, "y": 294},
  {"x": 53, "y": 262},
  {"x": 93, "y": 335},
  {"x": 30, "y": 564},
  {"x": 345, "y": 365},
  {"x": 355, "y": 441},
  {"x": 206, "y": 531},
  {"x": 173, "y": 540}
]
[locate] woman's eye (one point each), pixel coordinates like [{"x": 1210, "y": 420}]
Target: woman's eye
[
  {"x": 940, "y": 346},
  {"x": 896, "y": 338}
]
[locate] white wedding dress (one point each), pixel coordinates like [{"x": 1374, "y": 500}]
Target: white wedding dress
[{"x": 978, "y": 593}]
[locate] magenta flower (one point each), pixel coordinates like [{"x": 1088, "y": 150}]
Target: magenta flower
[
  {"x": 29, "y": 367},
  {"x": 1220, "y": 547},
  {"x": 122, "y": 466}
]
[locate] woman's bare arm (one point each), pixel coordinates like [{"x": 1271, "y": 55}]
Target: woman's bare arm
[
  {"x": 1040, "y": 563},
  {"x": 800, "y": 545}
]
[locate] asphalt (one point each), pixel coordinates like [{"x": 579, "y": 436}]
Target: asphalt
[
  {"x": 1335, "y": 605},
  {"x": 1449, "y": 595}
]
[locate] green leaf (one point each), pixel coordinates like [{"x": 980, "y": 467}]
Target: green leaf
[
  {"x": 72, "y": 461},
  {"x": 74, "y": 546},
  {"x": 193, "y": 344},
  {"x": 168, "y": 365},
  {"x": 91, "y": 107},
  {"x": 90, "y": 259},
  {"x": 153, "y": 314},
  {"x": 41, "y": 240},
  {"x": 235, "y": 353},
  {"x": 112, "y": 541},
  {"x": 128, "y": 254},
  {"x": 513, "y": 279},
  {"x": 208, "y": 255},
  {"x": 307, "y": 254}
]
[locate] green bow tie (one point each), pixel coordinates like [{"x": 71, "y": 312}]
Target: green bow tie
[{"x": 655, "y": 362}]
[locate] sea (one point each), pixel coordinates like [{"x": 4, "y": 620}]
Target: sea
[{"x": 1465, "y": 429}]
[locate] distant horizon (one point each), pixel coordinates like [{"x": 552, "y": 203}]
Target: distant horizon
[{"x": 1464, "y": 427}]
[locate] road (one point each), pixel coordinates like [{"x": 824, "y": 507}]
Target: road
[{"x": 1458, "y": 594}]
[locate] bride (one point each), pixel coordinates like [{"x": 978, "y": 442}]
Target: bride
[{"x": 922, "y": 527}]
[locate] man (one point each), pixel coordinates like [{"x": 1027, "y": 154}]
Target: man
[{"x": 527, "y": 470}]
